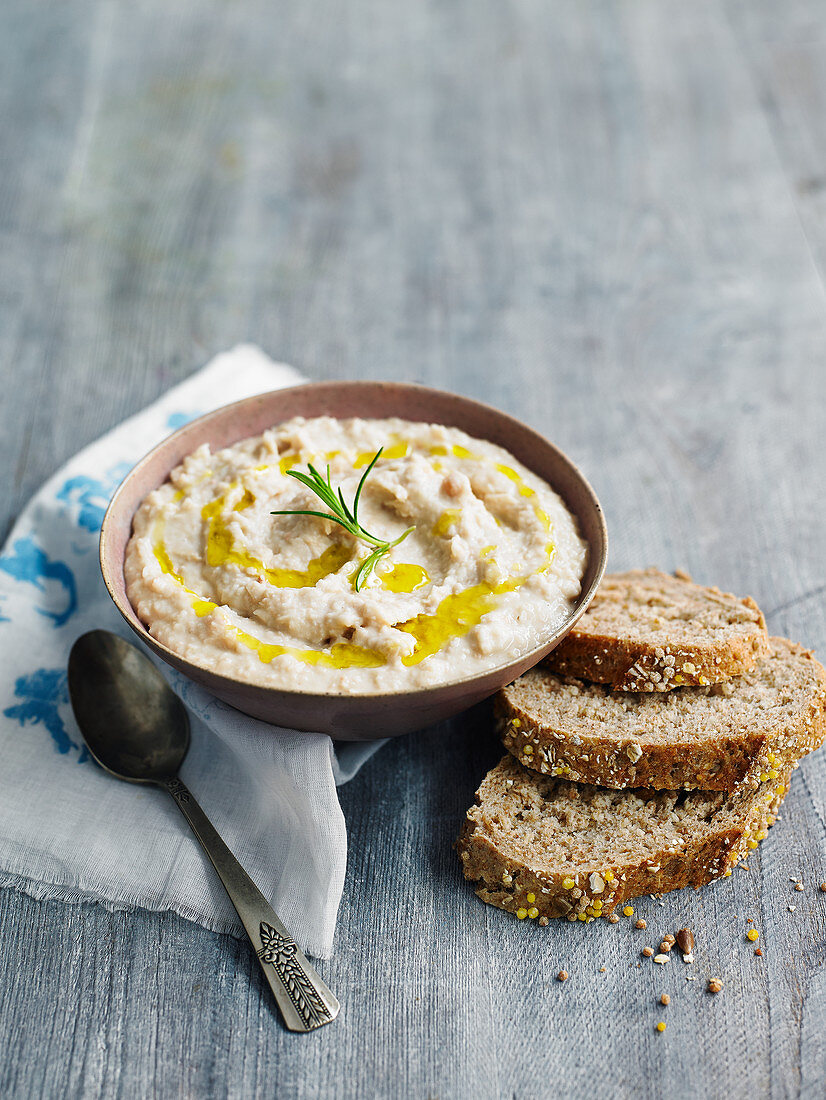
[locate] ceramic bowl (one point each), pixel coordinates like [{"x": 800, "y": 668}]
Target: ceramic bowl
[{"x": 381, "y": 714}]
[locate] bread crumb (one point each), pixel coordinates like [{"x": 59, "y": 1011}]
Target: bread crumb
[{"x": 715, "y": 985}]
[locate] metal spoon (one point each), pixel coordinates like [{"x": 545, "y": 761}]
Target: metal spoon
[{"x": 137, "y": 729}]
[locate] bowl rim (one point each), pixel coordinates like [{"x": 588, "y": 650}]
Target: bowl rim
[{"x": 130, "y": 616}]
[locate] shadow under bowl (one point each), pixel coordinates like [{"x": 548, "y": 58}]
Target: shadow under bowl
[{"x": 372, "y": 716}]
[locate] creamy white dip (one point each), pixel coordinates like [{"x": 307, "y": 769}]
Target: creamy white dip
[{"x": 493, "y": 565}]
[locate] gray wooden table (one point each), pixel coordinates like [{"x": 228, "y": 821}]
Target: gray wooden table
[{"x": 607, "y": 218}]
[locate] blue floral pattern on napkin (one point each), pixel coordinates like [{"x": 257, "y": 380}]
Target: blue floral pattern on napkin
[
  {"x": 26, "y": 562},
  {"x": 42, "y": 694},
  {"x": 88, "y": 497}
]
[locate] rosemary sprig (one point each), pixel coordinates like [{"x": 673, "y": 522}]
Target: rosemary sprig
[{"x": 345, "y": 517}]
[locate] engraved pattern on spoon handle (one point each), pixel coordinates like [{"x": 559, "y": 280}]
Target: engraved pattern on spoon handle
[{"x": 304, "y": 999}]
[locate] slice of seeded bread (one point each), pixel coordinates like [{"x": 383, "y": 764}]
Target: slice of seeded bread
[
  {"x": 648, "y": 631},
  {"x": 543, "y": 847},
  {"x": 715, "y": 738}
]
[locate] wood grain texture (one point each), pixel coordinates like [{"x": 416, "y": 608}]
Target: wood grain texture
[{"x": 607, "y": 219}]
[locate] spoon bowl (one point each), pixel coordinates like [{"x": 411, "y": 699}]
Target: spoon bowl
[{"x": 134, "y": 725}]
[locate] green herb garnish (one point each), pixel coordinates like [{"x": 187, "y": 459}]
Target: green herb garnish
[{"x": 345, "y": 517}]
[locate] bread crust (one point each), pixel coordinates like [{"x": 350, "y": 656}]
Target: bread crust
[
  {"x": 519, "y": 887},
  {"x": 740, "y": 758},
  {"x": 658, "y": 662}
]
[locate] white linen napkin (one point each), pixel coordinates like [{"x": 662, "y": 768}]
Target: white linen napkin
[{"x": 69, "y": 831}]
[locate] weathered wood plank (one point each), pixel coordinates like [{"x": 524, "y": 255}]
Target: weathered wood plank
[
  {"x": 785, "y": 56},
  {"x": 581, "y": 213}
]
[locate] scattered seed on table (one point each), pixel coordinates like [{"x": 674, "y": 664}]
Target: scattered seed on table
[
  {"x": 665, "y": 999},
  {"x": 715, "y": 985},
  {"x": 562, "y": 976},
  {"x": 685, "y": 940}
]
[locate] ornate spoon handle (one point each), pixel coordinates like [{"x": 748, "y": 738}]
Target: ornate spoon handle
[{"x": 304, "y": 1000}]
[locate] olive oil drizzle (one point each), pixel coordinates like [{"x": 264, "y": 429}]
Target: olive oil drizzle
[
  {"x": 448, "y": 519},
  {"x": 339, "y": 655},
  {"x": 398, "y": 450},
  {"x": 455, "y": 616},
  {"x": 458, "y": 614},
  {"x": 405, "y": 577},
  {"x": 221, "y": 549},
  {"x": 200, "y": 606}
]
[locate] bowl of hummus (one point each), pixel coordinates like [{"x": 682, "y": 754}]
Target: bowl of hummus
[{"x": 355, "y": 558}]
